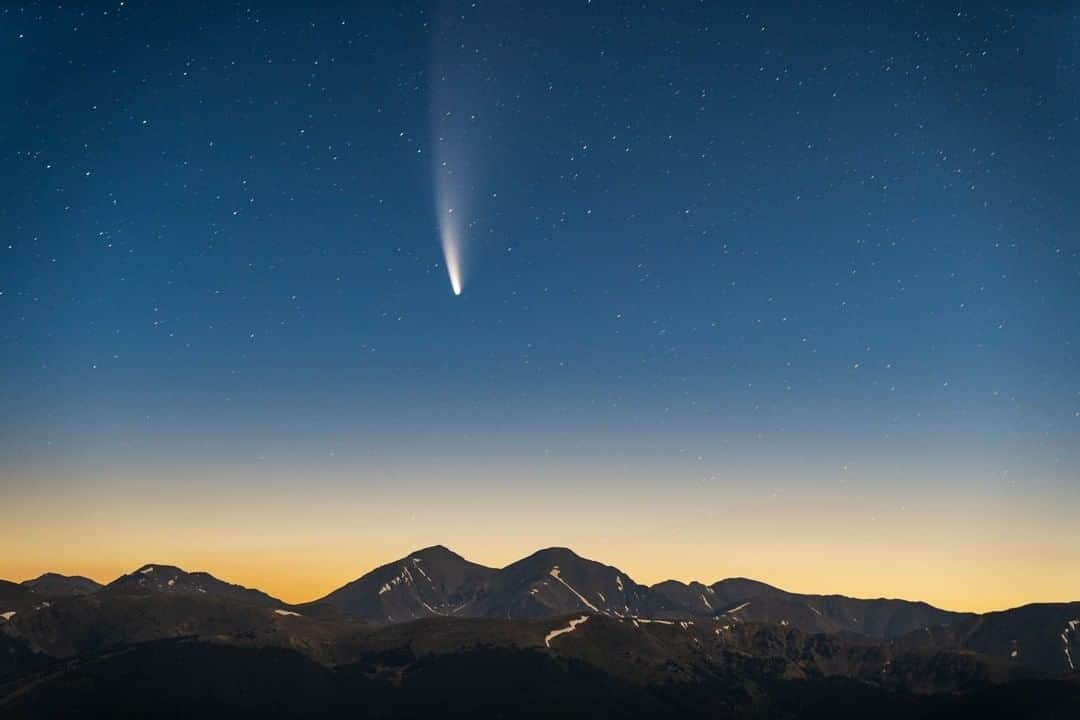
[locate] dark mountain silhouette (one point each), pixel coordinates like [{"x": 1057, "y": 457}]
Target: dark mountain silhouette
[
  {"x": 156, "y": 579},
  {"x": 1044, "y": 635},
  {"x": 15, "y": 598},
  {"x": 557, "y": 581},
  {"x": 603, "y": 667},
  {"x": 429, "y": 582},
  {"x": 56, "y": 585},
  {"x": 432, "y": 620},
  {"x": 551, "y": 635}
]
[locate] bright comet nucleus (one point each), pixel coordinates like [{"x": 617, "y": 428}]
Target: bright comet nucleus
[
  {"x": 450, "y": 191},
  {"x": 452, "y": 253}
]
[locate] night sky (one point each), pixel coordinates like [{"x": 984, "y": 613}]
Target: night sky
[{"x": 747, "y": 290}]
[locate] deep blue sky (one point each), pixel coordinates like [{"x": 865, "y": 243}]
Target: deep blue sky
[{"x": 708, "y": 240}]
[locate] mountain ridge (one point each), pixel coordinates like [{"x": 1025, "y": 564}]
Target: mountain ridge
[
  {"x": 732, "y": 589},
  {"x": 52, "y": 584},
  {"x": 557, "y": 581},
  {"x": 435, "y": 581},
  {"x": 569, "y": 594}
]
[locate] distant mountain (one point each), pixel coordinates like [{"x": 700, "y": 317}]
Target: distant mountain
[
  {"x": 160, "y": 602},
  {"x": 749, "y": 601},
  {"x": 557, "y": 581},
  {"x": 15, "y": 598},
  {"x": 150, "y": 579},
  {"x": 1044, "y": 636},
  {"x": 61, "y": 616},
  {"x": 675, "y": 599},
  {"x": 427, "y": 583},
  {"x": 56, "y": 585},
  {"x": 435, "y": 581},
  {"x": 66, "y": 627},
  {"x": 52, "y": 595}
]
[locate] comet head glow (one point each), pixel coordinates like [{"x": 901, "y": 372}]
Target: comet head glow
[
  {"x": 452, "y": 254},
  {"x": 447, "y": 195}
]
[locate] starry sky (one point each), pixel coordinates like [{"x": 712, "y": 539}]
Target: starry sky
[{"x": 782, "y": 290}]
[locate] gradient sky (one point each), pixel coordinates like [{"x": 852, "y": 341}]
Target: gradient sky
[{"x": 789, "y": 294}]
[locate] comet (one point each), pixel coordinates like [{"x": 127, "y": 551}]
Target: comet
[
  {"x": 450, "y": 229},
  {"x": 456, "y": 139},
  {"x": 450, "y": 161}
]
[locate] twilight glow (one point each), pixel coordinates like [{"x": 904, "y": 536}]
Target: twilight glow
[{"x": 782, "y": 292}]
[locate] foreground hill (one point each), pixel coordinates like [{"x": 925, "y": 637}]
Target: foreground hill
[{"x": 587, "y": 666}]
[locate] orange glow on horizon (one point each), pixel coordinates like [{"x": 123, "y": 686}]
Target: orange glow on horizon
[
  {"x": 267, "y": 532},
  {"x": 299, "y": 574}
]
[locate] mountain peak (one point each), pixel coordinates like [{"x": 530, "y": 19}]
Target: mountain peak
[
  {"x": 435, "y": 552},
  {"x": 558, "y": 550},
  {"x": 424, "y": 583},
  {"x": 156, "y": 578},
  {"x": 555, "y": 554},
  {"x": 151, "y": 568},
  {"x": 52, "y": 584}
]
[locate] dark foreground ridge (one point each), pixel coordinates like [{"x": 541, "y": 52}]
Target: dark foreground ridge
[{"x": 552, "y": 635}]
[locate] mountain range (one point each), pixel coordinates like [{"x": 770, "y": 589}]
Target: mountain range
[
  {"x": 556, "y": 581},
  {"x": 583, "y": 626}
]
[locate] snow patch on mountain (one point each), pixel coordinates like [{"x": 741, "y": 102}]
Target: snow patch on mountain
[
  {"x": 430, "y": 609},
  {"x": 403, "y": 576},
  {"x": 416, "y": 561},
  {"x": 562, "y": 631},
  {"x": 554, "y": 572},
  {"x": 1070, "y": 626}
]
